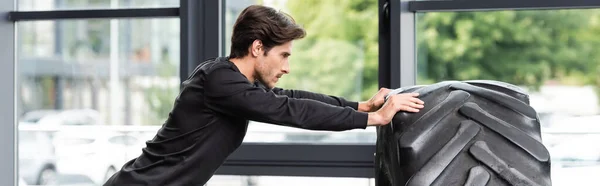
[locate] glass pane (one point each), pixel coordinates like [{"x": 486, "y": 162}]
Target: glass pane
[
  {"x": 553, "y": 55},
  {"x": 339, "y": 57},
  {"x": 80, "y": 82},
  {"x": 41, "y": 5},
  {"x": 221, "y": 180}
]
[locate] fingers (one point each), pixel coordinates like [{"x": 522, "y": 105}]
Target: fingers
[
  {"x": 384, "y": 91},
  {"x": 410, "y": 109},
  {"x": 413, "y": 98},
  {"x": 407, "y": 102},
  {"x": 417, "y": 101},
  {"x": 416, "y": 105},
  {"x": 380, "y": 96}
]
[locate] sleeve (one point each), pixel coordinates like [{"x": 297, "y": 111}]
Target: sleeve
[
  {"x": 333, "y": 100},
  {"x": 228, "y": 92}
]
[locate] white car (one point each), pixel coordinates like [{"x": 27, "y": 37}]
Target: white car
[
  {"x": 22, "y": 182},
  {"x": 37, "y": 164},
  {"x": 69, "y": 117},
  {"x": 96, "y": 155}
]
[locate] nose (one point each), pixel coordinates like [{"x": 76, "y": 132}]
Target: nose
[{"x": 286, "y": 68}]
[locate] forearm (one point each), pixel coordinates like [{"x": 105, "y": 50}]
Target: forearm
[{"x": 332, "y": 100}]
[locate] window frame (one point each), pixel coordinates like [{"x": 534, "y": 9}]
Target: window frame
[
  {"x": 8, "y": 129},
  {"x": 475, "y": 5},
  {"x": 202, "y": 27},
  {"x": 92, "y": 14}
]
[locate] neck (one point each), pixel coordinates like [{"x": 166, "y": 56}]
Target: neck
[{"x": 246, "y": 66}]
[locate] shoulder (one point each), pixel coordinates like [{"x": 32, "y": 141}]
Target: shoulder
[
  {"x": 212, "y": 71},
  {"x": 221, "y": 78},
  {"x": 212, "y": 65}
]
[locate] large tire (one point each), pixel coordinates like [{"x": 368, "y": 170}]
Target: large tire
[{"x": 468, "y": 133}]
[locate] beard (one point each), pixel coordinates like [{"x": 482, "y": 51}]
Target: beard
[
  {"x": 264, "y": 77},
  {"x": 265, "y": 80}
]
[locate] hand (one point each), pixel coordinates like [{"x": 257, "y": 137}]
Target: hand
[
  {"x": 400, "y": 102},
  {"x": 375, "y": 102}
]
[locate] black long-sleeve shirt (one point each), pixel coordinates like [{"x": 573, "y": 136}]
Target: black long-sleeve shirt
[{"x": 210, "y": 118}]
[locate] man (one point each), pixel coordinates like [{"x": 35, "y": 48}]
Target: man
[{"x": 211, "y": 114}]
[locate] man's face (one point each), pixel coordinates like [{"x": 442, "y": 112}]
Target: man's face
[{"x": 273, "y": 65}]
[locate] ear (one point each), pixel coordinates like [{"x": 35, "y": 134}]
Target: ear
[{"x": 257, "y": 48}]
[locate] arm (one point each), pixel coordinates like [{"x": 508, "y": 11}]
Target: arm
[
  {"x": 229, "y": 93},
  {"x": 333, "y": 100}
]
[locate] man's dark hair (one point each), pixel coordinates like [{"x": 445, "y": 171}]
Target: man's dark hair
[{"x": 262, "y": 23}]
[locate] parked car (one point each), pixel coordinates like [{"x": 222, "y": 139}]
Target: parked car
[
  {"x": 33, "y": 117},
  {"x": 22, "y": 182},
  {"x": 69, "y": 117},
  {"x": 96, "y": 155},
  {"x": 37, "y": 164}
]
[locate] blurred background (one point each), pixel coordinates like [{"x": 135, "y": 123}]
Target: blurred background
[{"x": 92, "y": 92}]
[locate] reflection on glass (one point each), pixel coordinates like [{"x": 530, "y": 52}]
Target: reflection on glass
[
  {"x": 551, "y": 54},
  {"x": 41, "y": 5},
  {"x": 90, "y": 93},
  {"x": 337, "y": 57}
]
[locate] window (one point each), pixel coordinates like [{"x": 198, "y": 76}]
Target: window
[
  {"x": 551, "y": 54},
  {"x": 339, "y": 56},
  {"x": 73, "y": 74},
  {"x": 93, "y": 75},
  {"x": 117, "y": 73},
  {"x": 44, "y": 5},
  {"x": 123, "y": 69}
]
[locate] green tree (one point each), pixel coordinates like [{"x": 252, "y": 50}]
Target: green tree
[
  {"x": 526, "y": 48},
  {"x": 520, "y": 47},
  {"x": 340, "y": 52},
  {"x": 593, "y": 43}
]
